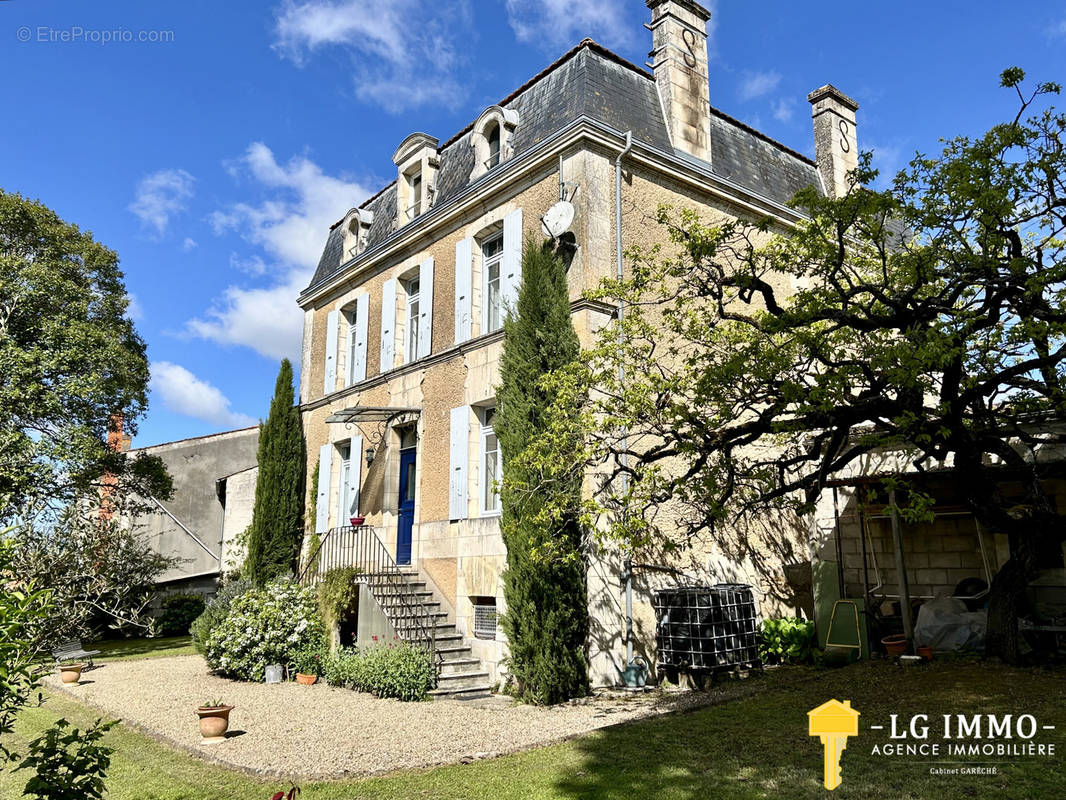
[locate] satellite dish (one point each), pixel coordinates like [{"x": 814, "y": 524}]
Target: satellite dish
[{"x": 558, "y": 218}]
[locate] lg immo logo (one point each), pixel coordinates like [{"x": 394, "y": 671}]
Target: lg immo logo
[{"x": 833, "y": 722}]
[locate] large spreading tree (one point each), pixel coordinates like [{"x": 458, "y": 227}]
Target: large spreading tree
[
  {"x": 925, "y": 321},
  {"x": 70, "y": 361},
  {"x": 546, "y": 620},
  {"x": 276, "y": 533}
]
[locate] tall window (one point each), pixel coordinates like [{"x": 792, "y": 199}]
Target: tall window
[
  {"x": 344, "y": 510},
  {"x": 493, "y": 136},
  {"x": 491, "y": 464},
  {"x": 353, "y": 345},
  {"x": 492, "y": 256},
  {"x": 415, "y": 195},
  {"x": 411, "y": 333}
]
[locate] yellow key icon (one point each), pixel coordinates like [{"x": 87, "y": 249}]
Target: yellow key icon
[{"x": 833, "y": 722}]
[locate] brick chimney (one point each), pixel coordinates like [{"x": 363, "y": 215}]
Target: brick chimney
[
  {"x": 836, "y": 147},
  {"x": 679, "y": 61},
  {"x": 118, "y": 441}
]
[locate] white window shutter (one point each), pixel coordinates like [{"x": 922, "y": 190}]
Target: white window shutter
[
  {"x": 355, "y": 474},
  {"x": 459, "y": 456},
  {"x": 464, "y": 281},
  {"x": 511, "y": 277},
  {"x": 425, "y": 308},
  {"x": 332, "y": 341},
  {"x": 325, "y": 464},
  {"x": 388, "y": 324},
  {"x": 362, "y": 318}
]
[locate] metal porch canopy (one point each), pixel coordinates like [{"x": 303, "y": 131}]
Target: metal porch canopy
[{"x": 357, "y": 414}]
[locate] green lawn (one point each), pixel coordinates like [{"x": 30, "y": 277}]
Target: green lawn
[
  {"x": 127, "y": 649},
  {"x": 755, "y": 747}
]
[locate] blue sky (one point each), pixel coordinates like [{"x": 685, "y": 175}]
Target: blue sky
[{"x": 214, "y": 155}]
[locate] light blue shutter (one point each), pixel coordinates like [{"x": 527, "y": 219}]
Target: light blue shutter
[
  {"x": 332, "y": 341},
  {"x": 325, "y": 464},
  {"x": 464, "y": 265},
  {"x": 425, "y": 308},
  {"x": 511, "y": 272},
  {"x": 388, "y": 324},
  {"x": 460, "y": 437},
  {"x": 362, "y": 318}
]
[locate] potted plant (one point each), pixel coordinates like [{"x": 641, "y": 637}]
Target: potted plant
[
  {"x": 214, "y": 720},
  {"x": 70, "y": 673},
  {"x": 307, "y": 663},
  {"x": 356, "y": 521}
]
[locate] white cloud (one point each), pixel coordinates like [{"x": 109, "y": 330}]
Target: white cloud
[
  {"x": 291, "y": 226},
  {"x": 160, "y": 196},
  {"x": 782, "y": 109},
  {"x": 189, "y": 244},
  {"x": 184, "y": 393},
  {"x": 401, "y": 50},
  {"x": 564, "y": 23},
  {"x": 134, "y": 309},
  {"x": 756, "y": 84}
]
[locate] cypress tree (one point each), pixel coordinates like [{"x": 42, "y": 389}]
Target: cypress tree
[
  {"x": 277, "y": 519},
  {"x": 546, "y": 621}
]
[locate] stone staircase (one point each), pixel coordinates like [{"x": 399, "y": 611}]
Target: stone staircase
[{"x": 462, "y": 676}]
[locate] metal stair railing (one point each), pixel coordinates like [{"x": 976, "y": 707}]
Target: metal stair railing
[{"x": 360, "y": 547}]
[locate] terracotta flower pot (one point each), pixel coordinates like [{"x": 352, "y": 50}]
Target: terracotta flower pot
[
  {"x": 895, "y": 645},
  {"x": 214, "y": 722},
  {"x": 305, "y": 680},
  {"x": 70, "y": 673},
  {"x": 926, "y": 652}
]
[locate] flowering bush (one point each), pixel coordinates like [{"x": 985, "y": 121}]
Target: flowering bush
[
  {"x": 265, "y": 626},
  {"x": 310, "y": 660},
  {"x": 398, "y": 670},
  {"x": 215, "y": 612}
]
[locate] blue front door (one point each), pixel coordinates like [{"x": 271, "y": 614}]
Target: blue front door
[{"x": 407, "y": 505}]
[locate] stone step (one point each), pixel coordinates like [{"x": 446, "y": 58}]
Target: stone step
[
  {"x": 460, "y": 666},
  {"x": 451, "y": 650},
  {"x": 463, "y": 680},
  {"x": 470, "y": 693}
]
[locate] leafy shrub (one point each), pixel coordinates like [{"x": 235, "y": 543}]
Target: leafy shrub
[
  {"x": 265, "y": 626},
  {"x": 179, "y": 613},
  {"x": 310, "y": 660},
  {"x": 398, "y": 669},
  {"x": 215, "y": 611},
  {"x": 788, "y": 640},
  {"x": 69, "y": 765},
  {"x": 338, "y": 594}
]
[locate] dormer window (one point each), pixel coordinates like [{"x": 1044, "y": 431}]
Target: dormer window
[
  {"x": 414, "y": 194},
  {"x": 356, "y": 232},
  {"x": 491, "y": 138},
  {"x": 416, "y": 163},
  {"x": 494, "y": 146}
]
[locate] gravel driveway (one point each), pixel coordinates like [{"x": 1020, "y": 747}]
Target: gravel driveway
[{"x": 320, "y": 731}]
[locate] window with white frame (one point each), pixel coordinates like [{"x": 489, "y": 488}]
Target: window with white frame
[
  {"x": 344, "y": 489},
  {"x": 414, "y": 194},
  {"x": 491, "y": 464},
  {"x": 411, "y": 289},
  {"x": 493, "y": 137},
  {"x": 491, "y": 265},
  {"x": 352, "y": 315}
]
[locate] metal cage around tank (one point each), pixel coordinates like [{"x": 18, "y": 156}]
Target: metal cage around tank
[{"x": 706, "y": 628}]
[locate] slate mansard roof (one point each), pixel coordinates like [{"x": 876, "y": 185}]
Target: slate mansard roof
[{"x": 593, "y": 82}]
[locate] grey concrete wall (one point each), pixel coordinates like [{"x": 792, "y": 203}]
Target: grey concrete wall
[
  {"x": 240, "y": 502},
  {"x": 195, "y": 465}
]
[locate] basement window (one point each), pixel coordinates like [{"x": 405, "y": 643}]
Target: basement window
[{"x": 484, "y": 617}]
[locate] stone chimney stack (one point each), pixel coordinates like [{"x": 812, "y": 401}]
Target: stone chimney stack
[
  {"x": 836, "y": 147},
  {"x": 679, "y": 61}
]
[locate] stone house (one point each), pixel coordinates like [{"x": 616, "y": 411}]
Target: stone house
[{"x": 402, "y": 326}]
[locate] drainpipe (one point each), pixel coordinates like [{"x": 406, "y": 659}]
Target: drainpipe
[{"x": 627, "y": 569}]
